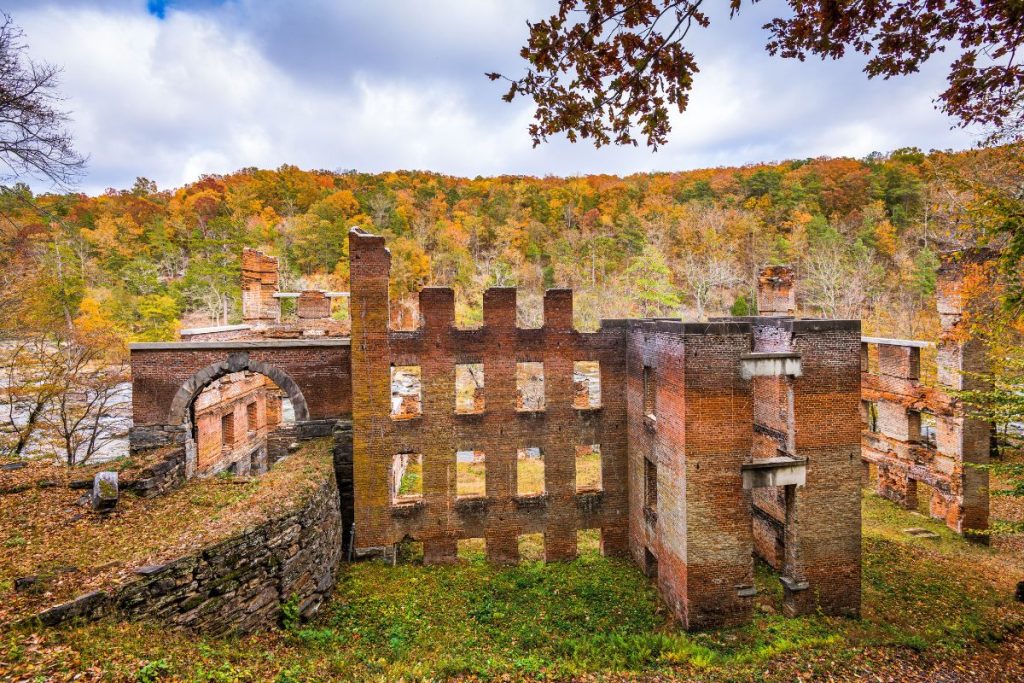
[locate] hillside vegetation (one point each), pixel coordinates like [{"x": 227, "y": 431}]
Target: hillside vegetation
[{"x": 864, "y": 235}]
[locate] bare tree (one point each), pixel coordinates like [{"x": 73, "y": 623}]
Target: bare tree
[
  {"x": 34, "y": 140},
  {"x": 87, "y": 404},
  {"x": 836, "y": 285},
  {"x": 704, "y": 276},
  {"x": 31, "y": 382}
]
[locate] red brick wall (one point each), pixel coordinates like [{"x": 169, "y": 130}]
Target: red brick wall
[
  {"x": 312, "y": 305},
  {"x": 701, "y": 435},
  {"x": 259, "y": 284},
  {"x": 958, "y": 492},
  {"x": 160, "y": 370},
  {"x": 441, "y": 519},
  {"x": 827, "y": 424}
]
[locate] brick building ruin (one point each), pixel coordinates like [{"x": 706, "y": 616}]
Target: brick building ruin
[
  {"x": 234, "y": 417},
  {"x": 918, "y": 444},
  {"x": 690, "y": 447}
]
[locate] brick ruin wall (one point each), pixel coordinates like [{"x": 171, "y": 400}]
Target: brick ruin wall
[
  {"x": 259, "y": 284},
  {"x": 233, "y": 417},
  {"x": 908, "y": 459},
  {"x": 677, "y": 423},
  {"x": 441, "y": 518},
  {"x": 694, "y": 421}
]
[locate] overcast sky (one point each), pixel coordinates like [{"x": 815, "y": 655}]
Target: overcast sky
[{"x": 173, "y": 89}]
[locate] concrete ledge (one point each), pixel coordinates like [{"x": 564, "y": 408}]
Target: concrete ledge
[
  {"x": 217, "y": 328},
  {"x": 782, "y": 471},
  {"x": 770, "y": 364},
  {"x": 914, "y": 343},
  {"x": 233, "y": 345}
]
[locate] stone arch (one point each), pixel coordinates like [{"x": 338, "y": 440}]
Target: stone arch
[{"x": 236, "y": 362}]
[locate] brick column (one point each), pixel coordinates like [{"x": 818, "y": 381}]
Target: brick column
[
  {"x": 370, "y": 267},
  {"x": 964, "y": 439}
]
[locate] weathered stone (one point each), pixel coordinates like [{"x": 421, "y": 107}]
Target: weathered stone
[{"x": 105, "y": 491}]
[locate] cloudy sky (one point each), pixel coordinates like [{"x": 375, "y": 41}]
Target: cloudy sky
[{"x": 171, "y": 89}]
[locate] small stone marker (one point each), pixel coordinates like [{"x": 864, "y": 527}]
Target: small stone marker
[
  {"x": 104, "y": 491},
  {"x": 918, "y": 532}
]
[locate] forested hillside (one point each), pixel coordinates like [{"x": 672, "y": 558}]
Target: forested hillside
[{"x": 864, "y": 235}]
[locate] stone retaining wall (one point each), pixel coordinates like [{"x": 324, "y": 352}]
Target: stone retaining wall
[{"x": 237, "y": 585}]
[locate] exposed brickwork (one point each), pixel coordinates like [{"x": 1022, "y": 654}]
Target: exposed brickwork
[
  {"x": 259, "y": 284},
  {"x": 441, "y": 519},
  {"x": 679, "y": 417},
  {"x": 313, "y": 304},
  {"x": 776, "y": 294},
  {"x": 904, "y": 456},
  {"x": 253, "y": 404},
  {"x": 320, "y": 372}
]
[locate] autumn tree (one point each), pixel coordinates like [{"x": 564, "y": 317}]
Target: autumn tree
[{"x": 610, "y": 70}]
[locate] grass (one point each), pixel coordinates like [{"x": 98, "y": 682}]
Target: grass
[
  {"x": 46, "y": 533},
  {"x": 590, "y": 616}
]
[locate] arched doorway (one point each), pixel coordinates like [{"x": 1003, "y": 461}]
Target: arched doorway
[{"x": 239, "y": 416}]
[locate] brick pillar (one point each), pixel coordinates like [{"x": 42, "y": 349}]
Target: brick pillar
[
  {"x": 827, "y": 430},
  {"x": 701, "y": 457},
  {"x": 500, "y": 400},
  {"x": 437, "y": 370},
  {"x": 259, "y": 284},
  {"x": 559, "y": 452},
  {"x": 370, "y": 268},
  {"x": 964, "y": 439},
  {"x": 776, "y": 294}
]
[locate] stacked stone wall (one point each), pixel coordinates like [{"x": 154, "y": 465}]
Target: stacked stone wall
[{"x": 237, "y": 585}]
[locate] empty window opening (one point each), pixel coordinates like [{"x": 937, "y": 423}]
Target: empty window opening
[
  {"x": 650, "y": 485},
  {"x": 232, "y": 469},
  {"x": 472, "y": 549},
  {"x": 471, "y": 479},
  {"x": 251, "y": 417},
  {"x": 872, "y": 416},
  {"x": 588, "y": 468},
  {"x": 531, "y": 547},
  {"x": 928, "y": 429},
  {"x": 406, "y": 392},
  {"x": 469, "y": 388},
  {"x": 227, "y": 430},
  {"x": 588, "y": 542},
  {"x": 529, "y": 472},
  {"x": 914, "y": 432},
  {"x": 530, "y": 386},
  {"x": 586, "y": 384},
  {"x": 650, "y": 564},
  {"x": 650, "y": 392},
  {"x": 406, "y": 478}
]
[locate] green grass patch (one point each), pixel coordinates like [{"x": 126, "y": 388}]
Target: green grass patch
[{"x": 594, "y": 615}]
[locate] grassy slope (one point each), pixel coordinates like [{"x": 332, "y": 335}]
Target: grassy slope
[
  {"x": 45, "y": 531},
  {"x": 595, "y": 614}
]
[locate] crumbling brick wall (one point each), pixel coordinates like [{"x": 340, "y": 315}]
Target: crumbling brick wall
[
  {"x": 313, "y": 304},
  {"x": 259, "y": 284},
  {"x": 911, "y": 461},
  {"x": 442, "y": 518}
]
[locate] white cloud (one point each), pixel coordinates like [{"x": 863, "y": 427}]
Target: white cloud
[{"x": 354, "y": 86}]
